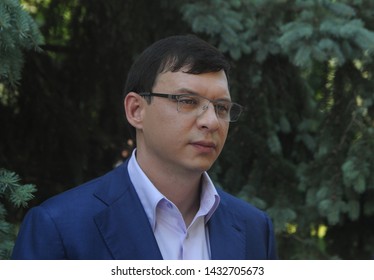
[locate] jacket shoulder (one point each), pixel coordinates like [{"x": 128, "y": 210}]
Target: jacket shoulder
[{"x": 88, "y": 196}]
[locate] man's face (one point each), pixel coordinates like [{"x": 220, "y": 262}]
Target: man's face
[{"x": 184, "y": 142}]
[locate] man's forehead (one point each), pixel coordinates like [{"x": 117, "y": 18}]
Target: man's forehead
[
  {"x": 181, "y": 76},
  {"x": 181, "y": 82}
]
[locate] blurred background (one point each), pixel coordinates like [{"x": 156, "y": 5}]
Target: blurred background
[{"x": 303, "y": 151}]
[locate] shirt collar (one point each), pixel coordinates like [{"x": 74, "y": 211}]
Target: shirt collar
[{"x": 150, "y": 196}]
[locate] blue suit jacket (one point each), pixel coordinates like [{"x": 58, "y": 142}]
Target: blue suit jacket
[{"x": 104, "y": 219}]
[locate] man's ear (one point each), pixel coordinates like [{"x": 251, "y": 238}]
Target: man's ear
[{"x": 134, "y": 105}]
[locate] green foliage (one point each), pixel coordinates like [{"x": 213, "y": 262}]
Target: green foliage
[
  {"x": 18, "y": 32},
  {"x": 10, "y": 187},
  {"x": 233, "y": 24},
  {"x": 11, "y": 190},
  {"x": 323, "y": 32}
]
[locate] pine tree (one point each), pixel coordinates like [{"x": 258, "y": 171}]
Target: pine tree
[
  {"x": 18, "y": 32},
  {"x": 17, "y": 194}
]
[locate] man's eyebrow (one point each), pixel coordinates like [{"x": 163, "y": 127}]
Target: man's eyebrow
[
  {"x": 186, "y": 91},
  {"x": 192, "y": 92}
]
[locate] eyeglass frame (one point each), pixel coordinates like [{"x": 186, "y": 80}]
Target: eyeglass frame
[{"x": 176, "y": 97}]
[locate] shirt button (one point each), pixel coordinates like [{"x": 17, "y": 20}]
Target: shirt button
[{"x": 169, "y": 205}]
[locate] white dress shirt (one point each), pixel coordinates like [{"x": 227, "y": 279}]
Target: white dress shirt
[{"x": 176, "y": 242}]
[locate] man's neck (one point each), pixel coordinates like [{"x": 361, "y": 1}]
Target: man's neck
[
  {"x": 179, "y": 186},
  {"x": 185, "y": 195}
]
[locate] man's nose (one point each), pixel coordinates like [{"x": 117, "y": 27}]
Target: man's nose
[
  {"x": 208, "y": 117},
  {"x": 206, "y": 107}
]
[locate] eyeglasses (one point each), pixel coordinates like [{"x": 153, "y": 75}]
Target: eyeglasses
[{"x": 192, "y": 103}]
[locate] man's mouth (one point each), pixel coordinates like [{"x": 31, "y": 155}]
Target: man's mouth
[{"x": 204, "y": 146}]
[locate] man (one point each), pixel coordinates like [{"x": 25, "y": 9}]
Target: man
[{"x": 161, "y": 203}]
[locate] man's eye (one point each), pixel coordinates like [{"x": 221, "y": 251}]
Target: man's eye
[
  {"x": 222, "y": 107},
  {"x": 188, "y": 101}
]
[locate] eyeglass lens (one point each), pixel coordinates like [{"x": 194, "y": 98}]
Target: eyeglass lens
[{"x": 225, "y": 110}]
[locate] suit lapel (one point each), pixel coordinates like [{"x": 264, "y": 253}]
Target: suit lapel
[
  {"x": 226, "y": 235},
  {"x": 123, "y": 224}
]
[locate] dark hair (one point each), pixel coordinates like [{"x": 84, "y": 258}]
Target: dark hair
[{"x": 172, "y": 54}]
